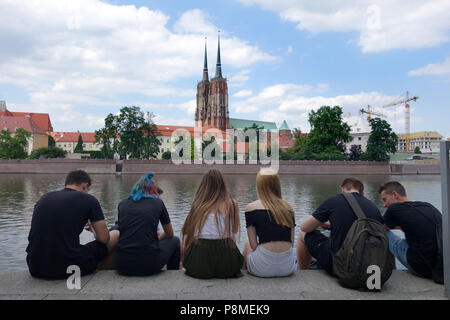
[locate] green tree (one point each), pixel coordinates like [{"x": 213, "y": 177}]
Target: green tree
[
  {"x": 211, "y": 140},
  {"x": 107, "y": 136},
  {"x": 129, "y": 124},
  {"x": 417, "y": 150},
  {"x": 287, "y": 154},
  {"x": 13, "y": 147},
  {"x": 329, "y": 132},
  {"x": 131, "y": 132},
  {"x": 50, "y": 152},
  {"x": 167, "y": 155},
  {"x": 181, "y": 152},
  {"x": 382, "y": 141},
  {"x": 151, "y": 143},
  {"x": 51, "y": 141},
  {"x": 355, "y": 152},
  {"x": 300, "y": 141},
  {"x": 79, "y": 146}
]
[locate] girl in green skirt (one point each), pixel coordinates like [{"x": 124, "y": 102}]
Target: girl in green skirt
[{"x": 209, "y": 231}]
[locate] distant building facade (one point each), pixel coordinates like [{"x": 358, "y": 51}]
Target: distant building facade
[
  {"x": 42, "y": 120},
  {"x": 38, "y": 138},
  {"x": 427, "y": 141},
  {"x": 360, "y": 133},
  {"x": 69, "y": 140}
]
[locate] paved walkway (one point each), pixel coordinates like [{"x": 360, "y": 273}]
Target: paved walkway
[{"x": 175, "y": 285}]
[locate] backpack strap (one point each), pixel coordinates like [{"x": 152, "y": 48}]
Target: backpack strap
[{"x": 354, "y": 205}]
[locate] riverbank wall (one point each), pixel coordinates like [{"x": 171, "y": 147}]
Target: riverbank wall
[
  {"x": 175, "y": 285},
  {"x": 94, "y": 166}
]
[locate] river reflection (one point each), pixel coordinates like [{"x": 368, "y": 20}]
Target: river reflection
[{"x": 19, "y": 193}]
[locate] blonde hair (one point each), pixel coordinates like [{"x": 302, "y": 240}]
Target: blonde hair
[
  {"x": 211, "y": 193},
  {"x": 269, "y": 192}
]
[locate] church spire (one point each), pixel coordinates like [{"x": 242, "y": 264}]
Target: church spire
[
  {"x": 205, "y": 66},
  {"x": 218, "y": 64}
]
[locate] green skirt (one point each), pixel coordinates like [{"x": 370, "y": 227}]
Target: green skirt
[{"x": 208, "y": 258}]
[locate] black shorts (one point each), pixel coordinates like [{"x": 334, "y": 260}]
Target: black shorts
[
  {"x": 319, "y": 247},
  {"x": 96, "y": 252}
]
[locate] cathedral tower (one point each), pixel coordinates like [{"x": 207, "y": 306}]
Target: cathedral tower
[
  {"x": 212, "y": 97},
  {"x": 202, "y": 94}
]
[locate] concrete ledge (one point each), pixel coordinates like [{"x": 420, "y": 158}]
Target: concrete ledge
[{"x": 175, "y": 285}]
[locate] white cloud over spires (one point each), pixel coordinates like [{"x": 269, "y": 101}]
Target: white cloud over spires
[{"x": 89, "y": 53}]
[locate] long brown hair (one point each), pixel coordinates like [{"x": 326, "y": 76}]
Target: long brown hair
[
  {"x": 269, "y": 192},
  {"x": 211, "y": 193}
]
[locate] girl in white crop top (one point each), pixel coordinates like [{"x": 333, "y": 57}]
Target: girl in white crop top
[
  {"x": 208, "y": 235},
  {"x": 213, "y": 230}
]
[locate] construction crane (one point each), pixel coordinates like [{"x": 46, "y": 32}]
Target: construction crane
[
  {"x": 370, "y": 112},
  {"x": 407, "y": 115}
]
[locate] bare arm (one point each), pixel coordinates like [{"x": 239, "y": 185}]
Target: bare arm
[
  {"x": 168, "y": 232},
  {"x": 310, "y": 224},
  {"x": 236, "y": 222},
  {"x": 252, "y": 238},
  {"x": 292, "y": 235},
  {"x": 100, "y": 231}
]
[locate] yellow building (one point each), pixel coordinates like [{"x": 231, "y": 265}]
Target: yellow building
[
  {"x": 38, "y": 139},
  {"x": 68, "y": 141},
  {"x": 427, "y": 141}
]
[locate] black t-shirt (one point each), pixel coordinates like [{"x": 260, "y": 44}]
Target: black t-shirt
[
  {"x": 54, "y": 239},
  {"x": 420, "y": 232},
  {"x": 266, "y": 227},
  {"x": 138, "y": 223},
  {"x": 337, "y": 210}
]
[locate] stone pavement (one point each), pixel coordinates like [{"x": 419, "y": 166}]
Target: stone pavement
[{"x": 175, "y": 285}]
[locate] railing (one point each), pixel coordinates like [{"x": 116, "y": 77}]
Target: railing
[{"x": 445, "y": 180}]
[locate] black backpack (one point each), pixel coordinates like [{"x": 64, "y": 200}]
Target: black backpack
[
  {"x": 366, "y": 244},
  {"x": 437, "y": 272}
]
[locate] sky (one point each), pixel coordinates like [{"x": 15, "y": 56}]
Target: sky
[{"x": 81, "y": 60}]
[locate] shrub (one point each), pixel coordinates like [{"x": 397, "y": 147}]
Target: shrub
[
  {"x": 167, "y": 155},
  {"x": 50, "y": 152}
]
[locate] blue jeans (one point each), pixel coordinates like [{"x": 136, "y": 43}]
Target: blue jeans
[{"x": 399, "y": 248}]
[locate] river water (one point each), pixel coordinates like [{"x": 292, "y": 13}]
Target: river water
[{"x": 19, "y": 193}]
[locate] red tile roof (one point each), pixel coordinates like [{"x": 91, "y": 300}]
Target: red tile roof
[
  {"x": 73, "y": 136},
  {"x": 42, "y": 120},
  {"x": 11, "y": 123}
]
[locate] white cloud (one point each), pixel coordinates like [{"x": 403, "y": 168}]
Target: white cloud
[
  {"x": 358, "y": 100},
  {"x": 239, "y": 79},
  {"x": 436, "y": 69},
  {"x": 382, "y": 25},
  {"x": 243, "y": 93},
  {"x": 188, "y": 107},
  {"x": 195, "y": 21},
  {"x": 66, "y": 54},
  {"x": 293, "y": 102}
]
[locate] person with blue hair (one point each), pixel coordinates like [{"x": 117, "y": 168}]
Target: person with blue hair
[{"x": 142, "y": 250}]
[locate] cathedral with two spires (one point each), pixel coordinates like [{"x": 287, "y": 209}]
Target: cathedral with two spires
[{"x": 212, "y": 109}]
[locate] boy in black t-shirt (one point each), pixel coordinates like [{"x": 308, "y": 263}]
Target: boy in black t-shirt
[
  {"x": 58, "y": 220},
  {"x": 417, "y": 220},
  {"x": 335, "y": 214}
]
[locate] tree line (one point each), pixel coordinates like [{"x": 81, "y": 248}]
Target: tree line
[
  {"x": 329, "y": 136},
  {"x": 132, "y": 134}
]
